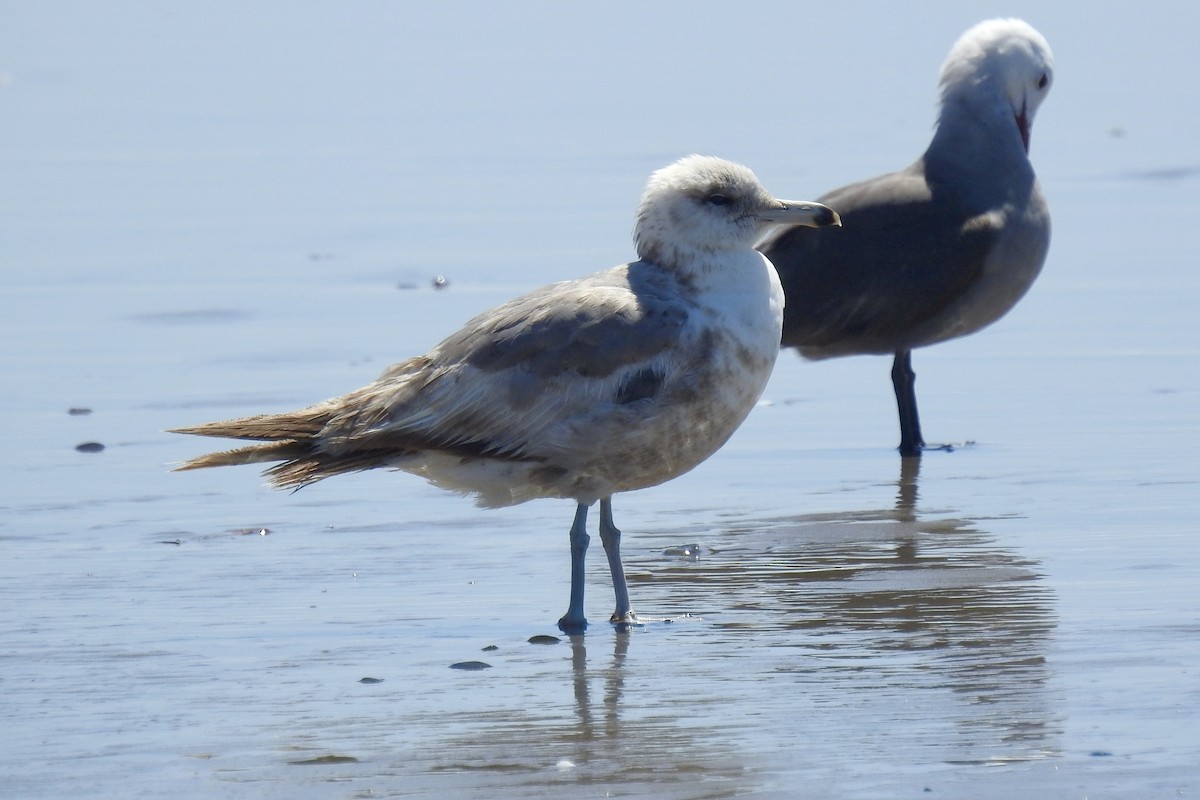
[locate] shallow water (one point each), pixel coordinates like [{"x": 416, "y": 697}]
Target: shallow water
[{"x": 208, "y": 216}]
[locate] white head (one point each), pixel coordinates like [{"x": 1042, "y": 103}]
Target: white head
[
  {"x": 1004, "y": 57},
  {"x": 702, "y": 204}
]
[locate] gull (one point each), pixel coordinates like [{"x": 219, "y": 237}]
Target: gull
[
  {"x": 942, "y": 248},
  {"x": 609, "y": 383}
]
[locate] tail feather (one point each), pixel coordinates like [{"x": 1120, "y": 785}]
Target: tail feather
[
  {"x": 314, "y": 466},
  {"x": 294, "y": 425},
  {"x": 301, "y": 463},
  {"x": 290, "y": 438},
  {"x": 293, "y": 439},
  {"x": 254, "y": 454},
  {"x": 309, "y": 451}
]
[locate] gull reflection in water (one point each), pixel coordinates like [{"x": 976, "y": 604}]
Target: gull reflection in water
[
  {"x": 877, "y": 638},
  {"x": 922, "y": 605}
]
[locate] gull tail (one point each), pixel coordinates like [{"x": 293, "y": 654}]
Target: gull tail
[{"x": 292, "y": 438}]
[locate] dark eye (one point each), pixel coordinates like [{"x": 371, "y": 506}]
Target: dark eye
[
  {"x": 1042, "y": 83},
  {"x": 717, "y": 200}
]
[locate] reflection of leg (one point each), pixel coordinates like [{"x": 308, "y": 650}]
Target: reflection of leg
[
  {"x": 611, "y": 539},
  {"x": 904, "y": 381},
  {"x": 906, "y": 494},
  {"x": 574, "y": 620},
  {"x": 579, "y": 674},
  {"x": 614, "y": 684}
]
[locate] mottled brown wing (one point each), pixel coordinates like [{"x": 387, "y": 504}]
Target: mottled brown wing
[{"x": 499, "y": 384}]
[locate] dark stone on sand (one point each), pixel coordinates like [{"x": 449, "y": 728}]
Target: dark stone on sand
[
  {"x": 78, "y": 411},
  {"x": 542, "y": 639},
  {"x": 90, "y": 447},
  {"x": 471, "y": 666},
  {"x": 370, "y": 680}
]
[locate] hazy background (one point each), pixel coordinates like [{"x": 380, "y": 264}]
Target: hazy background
[{"x": 209, "y": 210}]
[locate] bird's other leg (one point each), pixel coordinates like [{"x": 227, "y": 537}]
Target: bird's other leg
[
  {"x": 574, "y": 621},
  {"x": 904, "y": 381},
  {"x": 610, "y": 537}
]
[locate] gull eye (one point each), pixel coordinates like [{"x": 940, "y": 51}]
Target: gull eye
[
  {"x": 1045, "y": 80},
  {"x": 717, "y": 200}
]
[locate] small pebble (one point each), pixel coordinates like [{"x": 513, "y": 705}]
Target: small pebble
[
  {"x": 78, "y": 411},
  {"x": 90, "y": 447},
  {"x": 490, "y": 648},
  {"x": 683, "y": 550},
  {"x": 440, "y": 282},
  {"x": 543, "y": 639},
  {"x": 471, "y": 665},
  {"x": 370, "y": 680}
]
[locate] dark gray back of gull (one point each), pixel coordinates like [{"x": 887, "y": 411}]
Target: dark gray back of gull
[{"x": 942, "y": 248}]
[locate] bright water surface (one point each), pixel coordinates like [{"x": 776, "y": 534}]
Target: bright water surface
[{"x": 217, "y": 209}]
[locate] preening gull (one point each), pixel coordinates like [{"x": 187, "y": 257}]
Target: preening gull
[
  {"x": 942, "y": 248},
  {"x": 612, "y": 382}
]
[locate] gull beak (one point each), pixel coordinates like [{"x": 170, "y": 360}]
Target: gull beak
[
  {"x": 801, "y": 212},
  {"x": 1023, "y": 126}
]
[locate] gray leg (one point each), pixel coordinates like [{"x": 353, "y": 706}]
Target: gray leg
[
  {"x": 904, "y": 382},
  {"x": 611, "y": 538},
  {"x": 574, "y": 621}
]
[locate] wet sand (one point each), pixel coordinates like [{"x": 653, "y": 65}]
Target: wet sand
[{"x": 1018, "y": 617}]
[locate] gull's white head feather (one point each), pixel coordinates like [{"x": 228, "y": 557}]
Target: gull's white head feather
[
  {"x": 702, "y": 205},
  {"x": 1004, "y": 58}
]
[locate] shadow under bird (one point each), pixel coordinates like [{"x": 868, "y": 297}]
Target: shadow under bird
[
  {"x": 608, "y": 383},
  {"x": 942, "y": 248}
]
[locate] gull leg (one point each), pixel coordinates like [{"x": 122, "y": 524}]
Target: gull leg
[
  {"x": 574, "y": 621},
  {"x": 611, "y": 538},
  {"x": 904, "y": 382}
]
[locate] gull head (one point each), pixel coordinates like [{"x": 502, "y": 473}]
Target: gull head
[
  {"x": 1005, "y": 63},
  {"x": 702, "y": 205}
]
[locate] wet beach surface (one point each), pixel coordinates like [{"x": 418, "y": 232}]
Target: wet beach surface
[{"x": 252, "y": 217}]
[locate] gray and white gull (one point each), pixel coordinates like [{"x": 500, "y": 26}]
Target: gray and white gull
[
  {"x": 942, "y": 248},
  {"x": 608, "y": 383}
]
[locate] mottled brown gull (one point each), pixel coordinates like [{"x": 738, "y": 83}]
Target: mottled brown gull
[
  {"x": 942, "y": 248},
  {"x": 613, "y": 382}
]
